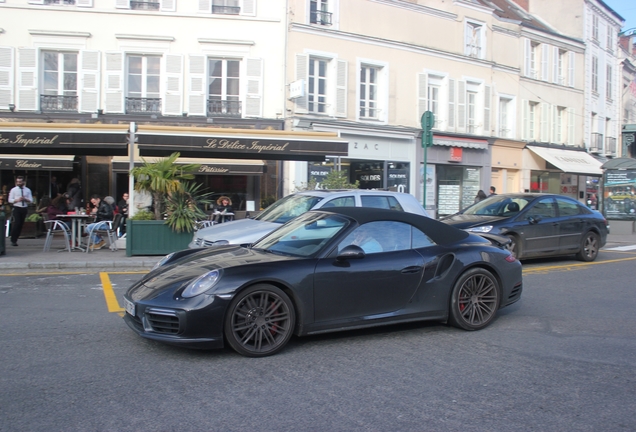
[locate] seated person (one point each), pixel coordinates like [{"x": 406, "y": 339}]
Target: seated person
[
  {"x": 222, "y": 207},
  {"x": 361, "y": 237},
  {"x": 59, "y": 206},
  {"x": 103, "y": 213}
]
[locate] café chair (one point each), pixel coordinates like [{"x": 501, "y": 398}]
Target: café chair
[
  {"x": 110, "y": 232},
  {"x": 57, "y": 227}
]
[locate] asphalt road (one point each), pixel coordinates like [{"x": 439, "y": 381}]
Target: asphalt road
[{"x": 560, "y": 359}]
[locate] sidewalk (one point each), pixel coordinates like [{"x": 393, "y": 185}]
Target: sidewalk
[{"x": 28, "y": 255}]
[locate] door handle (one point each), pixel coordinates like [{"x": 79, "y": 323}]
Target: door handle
[{"x": 411, "y": 269}]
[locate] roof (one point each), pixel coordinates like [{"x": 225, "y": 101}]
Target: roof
[
  {"x": 620, "y": 163},
  {"x": 437, "y": 231}
]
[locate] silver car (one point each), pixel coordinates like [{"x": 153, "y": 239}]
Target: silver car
[{"x": 249, "y": 230}]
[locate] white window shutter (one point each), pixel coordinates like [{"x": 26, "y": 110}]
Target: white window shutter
[
  {"x": 7, "y": 59},
  {"x": 461, "y": 106},
  {"x": 205, "y": 6},
  {"x": 172, "y": 77},
  {"x": 168, "y": 5},
  {"x": 341, "y": 88},
  {"x": 114, "y": 88},
  {"x": 487, "y": 110},
  {"x": 571, "y": 69},
  {"x": 451, "y": 104},
  {"x": 545, "y": 62},
  {"x": 302, "y": 72},
  {"x": 88, "y": 90},
  {"x": 545, "y": 122},
  {"x": 197, "y": 92},
  {"x": 85, "y": 3},
  {"x": 571, "y": 126},
  {"x": 422, "y": 95},
  {"x": 27, "y": 79},
  {"x": 248, "y": 7},
  {"x": 555, "y": 65},
  {"x": 254, "y": 93},
  {"x": 36, "y": 2},
  {"x": 528, "y": 52},
  {"x": 122, "y": 4},
  {"x": 525, "y": 108}
]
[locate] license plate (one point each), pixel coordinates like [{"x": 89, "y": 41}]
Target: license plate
[{"x": 130, "y": 307}]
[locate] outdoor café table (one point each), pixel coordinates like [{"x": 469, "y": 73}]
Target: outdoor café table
[
  {"x": 221, "y": 217},
  {"x": 78, "y": 221}
]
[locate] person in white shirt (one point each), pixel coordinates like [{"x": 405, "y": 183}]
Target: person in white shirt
[{"x": 20, "y": 196}]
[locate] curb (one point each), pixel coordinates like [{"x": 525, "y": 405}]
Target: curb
[{"x": 127, "y": 265}]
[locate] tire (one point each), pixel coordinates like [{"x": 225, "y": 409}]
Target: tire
[
  {"x": 590, "y": 245},
  {"x": 475, "y": 300},
  {"x": 260, "y": 321},
  {"x": 514, "y": 247}
]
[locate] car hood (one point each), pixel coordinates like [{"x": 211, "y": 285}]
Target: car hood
[
  {"x": 236, "y": 232},
  {"x": 462, "y": 221}
]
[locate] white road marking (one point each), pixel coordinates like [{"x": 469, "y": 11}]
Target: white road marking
[{"x": 622, "y": 248}]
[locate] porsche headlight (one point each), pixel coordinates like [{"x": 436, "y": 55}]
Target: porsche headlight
[
  {"x": 483, "y": 229},
  {"x": 202, "y": 284},
  {"x": 163, "y": 260}
]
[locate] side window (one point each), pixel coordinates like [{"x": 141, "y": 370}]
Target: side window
[
  {"x": 543, "y": 209},
  {"x": 383, "y": 202},
  {"x": 381, "y": 236},
  {"x": 568, "y": 208},
  {"x": 419, "y": 239},
  {"x": 341, "y": 202}
]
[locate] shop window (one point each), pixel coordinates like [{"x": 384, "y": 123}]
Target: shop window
[
  {"x": 143, "y": 84},
  {"x": 59, "y": 81}
]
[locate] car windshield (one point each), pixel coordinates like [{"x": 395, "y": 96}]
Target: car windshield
[
  {"x": 303, "y": 236},
  {"x": 498, "y": 205},
  {"x": 288, "y": 208}
]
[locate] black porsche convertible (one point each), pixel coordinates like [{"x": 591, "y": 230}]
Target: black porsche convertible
[{"x": 324, "y": 271}]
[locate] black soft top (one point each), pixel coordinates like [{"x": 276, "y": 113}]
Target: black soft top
[{"x": 439, "y": 232}]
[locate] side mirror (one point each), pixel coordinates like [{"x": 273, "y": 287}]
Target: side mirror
[{"x": 350, "y": 252}]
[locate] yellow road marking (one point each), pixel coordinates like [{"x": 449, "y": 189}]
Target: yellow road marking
[
  {"x": 109, "y": 295},
  {"x": 573, "y": 266}
]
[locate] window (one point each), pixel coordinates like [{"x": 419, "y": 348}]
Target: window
[
  {"x": 595, "y": 28},
  {"x": 59, "y": 2},
  {"x": 559, "y": 125},
  {"x": 568, "y": 208},
  {"x": 380, "y": 236},
  {"x": 474, "y": 40},
  {"x": 319, "y": 12},
  {"x": 223, "y": 87},
  {"x": 471, "y": 112},
  {"x": 610, "y": 38},
  {"x": 505, "y": 117},
  {"x": 348, "y": 201},
  {"x": 531, "y": 121},
  {"x": 594, "y": 74},
  {"x": 433, "y": 100},
  {"x": 562, "y": 67},
  {"x": 382, "y": 202},
  {"x": 144, "y": 4},
  {"x": 143, "y": 84},
  {"x": 608, "y": 84},
  {"x": 59, "y": 81},
  {"x": 534, "y": 60},
  {"x": 226, "y": 7},
  {"x": 317, "y": 86},
  {"x": 369, "y": 92}
]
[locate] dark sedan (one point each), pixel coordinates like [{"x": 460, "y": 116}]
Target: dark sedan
[
  {"x": 538, "y": 225},
  {"x": 324, "y": 271}
]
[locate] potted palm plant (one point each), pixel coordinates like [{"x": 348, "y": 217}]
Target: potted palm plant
[{"x": 177, "y": 207}]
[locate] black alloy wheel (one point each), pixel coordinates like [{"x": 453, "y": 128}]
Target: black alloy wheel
[
  {"x": 589, "y": 247},
  {"x": 260, "y": 321},
  {"x": 474, "y": 300},
  {"x": 514, "y": 247}
]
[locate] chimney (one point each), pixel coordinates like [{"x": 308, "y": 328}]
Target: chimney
[{"x": 524, "y": 4}]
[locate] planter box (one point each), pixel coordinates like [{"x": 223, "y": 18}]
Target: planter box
[
  {"x": 32, "y": 229},
  {"x": 153, "y": 238}
]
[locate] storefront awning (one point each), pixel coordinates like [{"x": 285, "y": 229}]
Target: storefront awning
[
  {"x": 208, "y": 166},
  {"x": 569, "y": 161},
  {"x": 239, "y": 144},
  {"x": 460, "y": 142},
  {"x": 37, "y": 162},
  {"x": 63, "y": 138}
]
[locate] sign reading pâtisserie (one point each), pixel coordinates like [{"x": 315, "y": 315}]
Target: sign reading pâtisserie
[
  {"x": 96, "y": 143},
  {"x": 241, "y": 147}
]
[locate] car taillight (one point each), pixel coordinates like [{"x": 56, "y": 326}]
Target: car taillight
[{"x": 511, "y": 258}]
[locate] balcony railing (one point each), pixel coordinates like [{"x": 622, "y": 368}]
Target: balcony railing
[
  {"x": 144, "y": 5},
  {"x": 58, "y": 103},
  {"x": 610, "y": 146},
  {"x": 224, "y": 108},
  {"x": 596, "y": 146},
  {"x": 226, "y": 10},
  {"x": 143, "y": 105},
  {"x": 59, "y": 2},
  {"x": 320, "y": 17}
]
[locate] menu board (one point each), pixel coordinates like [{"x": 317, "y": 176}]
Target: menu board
[{"x": 448, "y": 199}]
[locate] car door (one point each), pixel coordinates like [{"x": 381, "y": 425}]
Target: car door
[
  {"x": 541, "y": 233},
  {"x": 571, "y": 224},
  {"x": 380, "y": 283}
]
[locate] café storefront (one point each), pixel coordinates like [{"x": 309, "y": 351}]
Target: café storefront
[{"x": 240, "y": 161}]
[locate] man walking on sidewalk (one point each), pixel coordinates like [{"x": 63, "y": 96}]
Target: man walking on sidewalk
[{"x": 20, "y": 196}]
